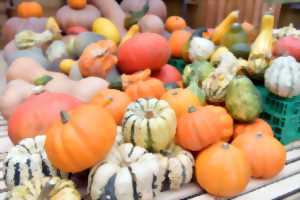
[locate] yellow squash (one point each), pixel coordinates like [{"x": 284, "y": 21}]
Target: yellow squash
[{"x": 134, "y": 29}]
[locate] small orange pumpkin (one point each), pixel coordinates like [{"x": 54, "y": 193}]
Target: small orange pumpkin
[
  {"x": 177, "y": 41},
  {"x": 266, "y": 154},
  {"x": 98, "y": 58},
  {"x": 201, "y": 127},
  {"x": 113, "y": 100},
  {"x": 82, "y": 138},
  {"x": 181, "y": 100},
  {"x": 77, "y": 4},
  {"x": 222, "y": 170},
  {"x": 175, "y": 23},
  {"x": 259, "y": 125},
  {"x": 30, "y": 9},
  {"x": 141, "y": 85}
]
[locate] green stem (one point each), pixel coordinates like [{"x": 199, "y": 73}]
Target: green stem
[
  {"x": 65, "y": 117},
  {"x": 43, "y": 80}
]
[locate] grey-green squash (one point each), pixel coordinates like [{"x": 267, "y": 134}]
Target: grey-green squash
[
  {"x": 129, "y": 172},
  {"x": 283, "y": 77},
  {"x": 50, "y": 188},
  {"x": 243, "y": 100},
  {"x": 28, "y": 160},
  {"x": 149, "y": 123}
]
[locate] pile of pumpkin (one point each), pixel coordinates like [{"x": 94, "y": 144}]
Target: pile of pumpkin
[{"x": 95, "y": 94}]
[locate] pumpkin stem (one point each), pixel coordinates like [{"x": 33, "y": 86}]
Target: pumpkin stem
[
  {"x": 225, "y": 145},
  {"x": 192, "y": 109},
  {"x": 43, "y": 80},
  {"x": 259, "y": 135},
  {"x": 47, "y": 189},
  {"x": 149, "y": 114},
  {"x": 64, "y": 116}
]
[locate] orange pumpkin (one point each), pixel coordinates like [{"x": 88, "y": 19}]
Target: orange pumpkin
[
  {"x": 98, "y": 58},
  {"x": 30, "y": 9},
  {"x": 177, "y": 41},
  {"x": 175, "y": 23},
  {"x": 77, "y": 4},
  {"x": 222, "y": 170},
  {"x": 266, "y": 154},
  {"x": 113, "y": 100},
  {"x": 141, "y": 85},
  {"x": 180, "y": 100},
  {"x": 201, "y": 127},
  {"x": 259, "y": 125},
  {"x": 82, "y": 138}
]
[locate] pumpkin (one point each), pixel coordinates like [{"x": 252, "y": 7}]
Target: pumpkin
[
  {"x": 68, "y": 17},
  {"x": 287, "y": 45},
  {"x": 178, "y": 165},
  {"x": 258, "y": 125},
  {"x": 106, "y": 28},
  {"x": 282, "y": 77},
  {"x": 51, "y": 188},
  {"x": 77, "y": 4},
  {"x": 222, "y": 170},
  {"x": 28, "y": 160},
  {"x": 174, "y": 23},
  {"x": 168, "y": 74},
  {"x": 37, "y": 113},
  {"x": 29, "y": 9},
  {"x": 201, "y": 127},
  {"x": 177, "y": 41},
  {"x": 140, "y": 85},
  {"x": 113, "y": 100},
  {"x": 156, "y": 7},
  {"x": 180, "y": 100},
  {"x": 151, "y": 23},
  {"x": 80, "y": 128},
  {"x": 268, "y": 157},
  {"x": 149, "y": 123},
  {"x": 98, "y": 58},
  {"x": 56, "y": 52},
  {"x": 145, "y": 50},
  {"x": 200, "y": 49},
  {"x": 129, "y": 172}
]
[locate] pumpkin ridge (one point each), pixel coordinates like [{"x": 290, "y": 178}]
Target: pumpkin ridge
[
  {"x": 149, "y": 141},
  {"x": 109, "y": 189},
  {"x": 134, "y": 185},
  {"x": 291, "y": 89},
  {"x": 132, "y": 132}
]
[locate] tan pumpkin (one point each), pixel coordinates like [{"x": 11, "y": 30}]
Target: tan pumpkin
[{"x": 259, "y": 125}]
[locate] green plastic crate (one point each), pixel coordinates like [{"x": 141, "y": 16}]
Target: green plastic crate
[
  {"x": 178, "y": 63},
  {"x": 283, "y": 114}
]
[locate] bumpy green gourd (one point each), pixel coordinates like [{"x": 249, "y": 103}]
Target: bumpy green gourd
[
  {"x": 197, "y": 71},
  {"x": 196, "y": 90},
  {"x": 243, "y": 100}
]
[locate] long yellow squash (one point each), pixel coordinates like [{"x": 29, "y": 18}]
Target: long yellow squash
[{"x": 134, "y": 29}]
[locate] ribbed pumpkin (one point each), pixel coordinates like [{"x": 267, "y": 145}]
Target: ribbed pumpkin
[
  {"x": 259, "y": 125},
  {"x": 181, "y": 100},
  {"x": 29, "y": 9},
  {"x": 266, "y": 154},
  {"x": 82, "y": 138},
  {"x": 283, "y": 77},
  {"x": 146, "y": 50},
  {"x": 201, "y": 127},
  {"x": 113, "y": 100},
  {"x": 222, "y": 170},
  {"x": 37, "y": 113},
  {"x": 28, "y": 160},
  {"x": 150, "y": 123}
]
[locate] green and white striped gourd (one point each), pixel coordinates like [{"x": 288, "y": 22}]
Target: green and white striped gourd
[
  {"x": 28, "y": 160},
  {"x": 129, "y": 172},
  {"x": 178, "y": 165},
  {"x": 283, "y": 77},
  {"x": 50, "y": 188},
  {"x": 149, "y": 123}
]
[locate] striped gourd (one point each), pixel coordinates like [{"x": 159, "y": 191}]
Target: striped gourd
[
  {"x": 28, "y": 160},
  {"x": 149, "y": 123},
  {"x": 283, "y": 77},
  {"x": 129, "y": 172},
  {"x": 178, "y": 165},
  {"x": 50, "y": 188}
]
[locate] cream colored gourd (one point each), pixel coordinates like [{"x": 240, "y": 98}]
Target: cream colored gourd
[
  {"x": 200, "y": 49},
  {"x": 283, "y": 77},
  {"x": 129, "y": 172},
  {"x": 28, "y": 160},
  {"x": 149, "y": 123}
]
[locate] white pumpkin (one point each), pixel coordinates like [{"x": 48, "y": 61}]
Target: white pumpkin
[
  {"x": 283, "y": 77},
  {"x": 28, "y": 160},
  {"x": 149, "y": 123},
  {"x": 129, "y": 172},
  {"x": 200, "y": 49}
]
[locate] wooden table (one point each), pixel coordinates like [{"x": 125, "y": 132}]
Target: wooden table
[{"x": 284, "y": 186}]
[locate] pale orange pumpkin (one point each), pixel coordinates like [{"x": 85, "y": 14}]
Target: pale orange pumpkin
[
  {"x": 77, "y": 4},
  {"x": 113, "y": 100},
  {"x": 82, "y": 138},
  {"x": 259, "y": 125},
  {"x": 174, "y": 23},
  {"x": 201, "y": 127},
  {"x": 222, "y": 170},
  {"x": 266, "y": 154},
  {"x": 30, "y": 9}
]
